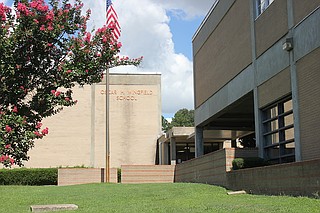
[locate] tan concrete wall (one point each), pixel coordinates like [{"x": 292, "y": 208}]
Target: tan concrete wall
[
  {"x": 77, "y": 137},
  {"x": 147, "y": 173},
  {"x": 69, "y": 138},
  {"x": 211, "y": 168},
  {"x": 224, "y": 54},
  {"x": 297, "y": 179},
  {"x": 301, "y": 9},
  {"x": 75, "y": 176},
  {"x": 134, "y": 124},
  {"x": 275, "y": 88},
  {"x": 308, "y": 72},
  {"x": 271, "y": 25}
]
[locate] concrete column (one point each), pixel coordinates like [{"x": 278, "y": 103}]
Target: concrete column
[
  {"x": 166, "y": 153},
  {"x": 257, "y": 111},
  {"x": 199, "y": 142},
  {"x": 173, "y": 154},
  {"x": 294, "y": 85},
  {"x": 160, "y": 147}
]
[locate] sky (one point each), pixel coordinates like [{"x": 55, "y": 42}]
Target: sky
[{"x": 161, "y": 31}]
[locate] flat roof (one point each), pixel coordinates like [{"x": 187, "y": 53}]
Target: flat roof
[
  {"x": 205, "y": 19},
  {"x": 134, "y": 73}
]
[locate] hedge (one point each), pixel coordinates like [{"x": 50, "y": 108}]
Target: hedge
[
  {"x": 242, "y": 163},
  {"x": 32, "y": 177}
]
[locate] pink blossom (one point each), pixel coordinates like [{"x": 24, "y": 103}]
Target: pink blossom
[
  {"x": 50, "y": 28},
  {"x": 15, "y": 109},
  {"x": 67, "y": 99},
  {"x": 42, "y": 28},
  {"x": 4, "y": 158},
  {"x": 3, "y": 10},
  {"x": 88, "y": 37},
  {"x": 57, "y": 93},
  {"x": 8, "y": 146},
  {"x": 53, "y": 92},
  {"x": 36, "y": 21},
  {"x": 23, "y": 8},
  {"x": 38, "y": 126},
  {"x": 119, "y": 45},
  {"x": 11, "y": 161},
  {"x": 8, "y": 129},
  {"x": 38, "y": 134},
  {"x": 69, "y": 71},
  {"x": 50, "y": 15},
  {"x": 49, "y": 44},
  {"x": 45, "y": 131}
]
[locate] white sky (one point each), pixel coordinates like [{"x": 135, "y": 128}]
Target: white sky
[{"x": 146, "y": 32}]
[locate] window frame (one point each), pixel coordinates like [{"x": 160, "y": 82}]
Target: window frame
[
  {"x": 259, "y": 8},
  {"x": 277, "y": 133}
]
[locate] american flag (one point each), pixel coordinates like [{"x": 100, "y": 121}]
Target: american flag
[{"x": 112, "y": 20}]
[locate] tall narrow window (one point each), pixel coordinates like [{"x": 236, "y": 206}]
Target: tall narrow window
[
  {"x": 262, "y": 5},
  {"x": 278, "y": 132}
]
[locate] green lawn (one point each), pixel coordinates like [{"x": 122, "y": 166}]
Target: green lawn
[{"x": 178, "y": 197}]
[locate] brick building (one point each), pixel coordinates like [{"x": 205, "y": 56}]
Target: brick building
[{"x": 257, "y": 68}]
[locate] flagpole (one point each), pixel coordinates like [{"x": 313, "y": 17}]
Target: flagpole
[{"x": 107, "y": 129}]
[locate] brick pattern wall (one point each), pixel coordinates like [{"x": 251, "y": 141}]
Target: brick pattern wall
[
  {"x": 75, "y": 176},
  {"x": 308, "y": 93},
  {"x": 147, "y": 173},
  {"x": 299, "y": 178},
  {"x": 211, "y": 168}
]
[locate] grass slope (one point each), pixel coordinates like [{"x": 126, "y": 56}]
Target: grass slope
[{"x": 166, "y": 198}]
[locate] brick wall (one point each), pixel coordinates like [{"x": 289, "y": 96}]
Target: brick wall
[
  {"x": 298, "y": 179},
  {"x": 308, "y": 93},
  {"x": 75, "y": 176},
  {"x": 147, "y": 173},
  {"x": 211, "y": 168}
]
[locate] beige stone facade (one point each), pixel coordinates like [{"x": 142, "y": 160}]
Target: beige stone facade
[{"x": 77, "y": 135}]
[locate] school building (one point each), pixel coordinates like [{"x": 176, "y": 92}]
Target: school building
[
  {"x": 257, "y": 69},
  {"x": 77, "y": 135}
]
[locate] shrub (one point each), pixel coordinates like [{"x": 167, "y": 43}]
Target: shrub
[
  {"x": 32, "y": 177},
  {"x": 242, "y": 163},
  {"x": 119, "y": 175}
]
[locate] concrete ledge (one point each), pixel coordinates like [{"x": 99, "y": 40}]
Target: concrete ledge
[
  {"x": 53, "y": 207},
  {"x": 237, "y": 192}
]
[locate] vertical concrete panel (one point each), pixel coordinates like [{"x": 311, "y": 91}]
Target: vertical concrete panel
[
  {"x": 100, "y": 126},
  {"x": 134, "y": 122}
]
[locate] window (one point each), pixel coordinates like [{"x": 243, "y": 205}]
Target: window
[
  {"x": 278, "y": 132},
  {"x": 262, "y": 5}
]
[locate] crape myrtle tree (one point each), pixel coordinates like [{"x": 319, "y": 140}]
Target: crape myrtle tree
[{"x": 45, "y": 50}]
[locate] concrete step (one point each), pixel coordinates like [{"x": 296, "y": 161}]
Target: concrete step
[{"x": 53, "y": 207}]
